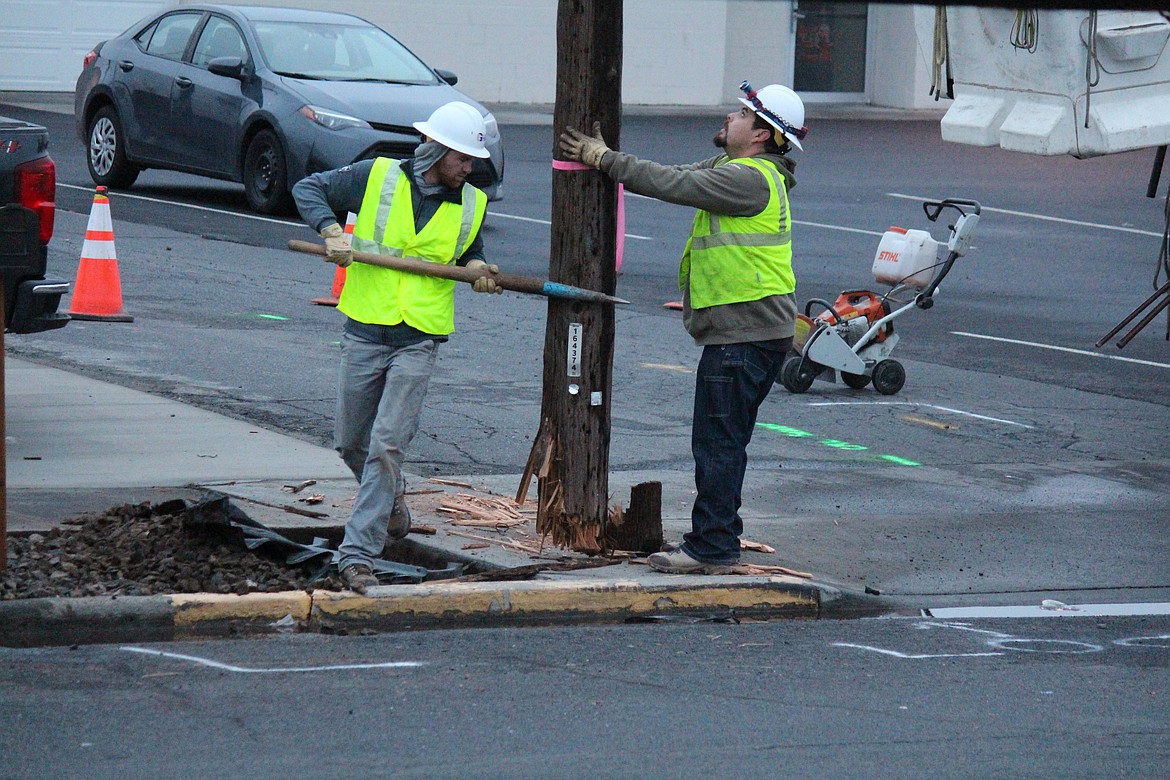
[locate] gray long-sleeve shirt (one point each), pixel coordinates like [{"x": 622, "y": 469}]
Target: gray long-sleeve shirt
[
  {"x": 322, "y": 196},
  {"x": 727, "y": 188}
]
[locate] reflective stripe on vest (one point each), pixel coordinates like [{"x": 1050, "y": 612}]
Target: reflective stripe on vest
[
  {"x": 385, "y": 225},
  {"x": 735, "y": 259}
]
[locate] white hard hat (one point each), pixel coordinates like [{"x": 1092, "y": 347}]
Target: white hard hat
[
  {"x": 456, "y": 126},
  {"x": 780, "y": 107}
]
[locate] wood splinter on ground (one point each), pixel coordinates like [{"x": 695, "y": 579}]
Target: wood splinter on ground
[
  {"x": 300, "y": 487},
  {"x": 451, "y": 482},
  {"x": 482, "y": 511}
]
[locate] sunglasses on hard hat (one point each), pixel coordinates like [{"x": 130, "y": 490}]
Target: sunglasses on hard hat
[{"x": 789, "y": 129}]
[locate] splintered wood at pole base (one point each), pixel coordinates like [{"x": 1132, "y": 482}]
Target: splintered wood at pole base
[{"x": 552, "y": 522}]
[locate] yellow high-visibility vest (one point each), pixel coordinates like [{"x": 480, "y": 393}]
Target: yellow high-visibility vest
[
  {"x": 385, "y": 225},
  {"x": 735, "y": 259}
]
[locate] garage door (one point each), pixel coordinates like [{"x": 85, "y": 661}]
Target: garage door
[{"x": 42, "y": 42}]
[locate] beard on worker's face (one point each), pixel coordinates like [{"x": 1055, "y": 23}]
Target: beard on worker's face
[{"x": 720, "y": 138}]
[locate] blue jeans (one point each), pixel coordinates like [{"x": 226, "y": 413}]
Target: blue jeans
[
  {"x": 378, "y": 408},
  {"x": 733, "y": 380}
]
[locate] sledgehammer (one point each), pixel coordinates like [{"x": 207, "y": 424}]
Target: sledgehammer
[{"x": 524, "y": 284}]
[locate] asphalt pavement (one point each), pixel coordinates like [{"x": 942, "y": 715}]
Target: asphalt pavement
[
  {"x": 1023, "y": 489},
  {"x": 77, "y": 445}
]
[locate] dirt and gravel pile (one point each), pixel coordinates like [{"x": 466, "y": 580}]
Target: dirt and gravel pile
[{"x": 143, "y": 550}]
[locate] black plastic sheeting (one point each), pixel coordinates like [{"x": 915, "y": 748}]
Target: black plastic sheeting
[{"x": 216, "y": 511}]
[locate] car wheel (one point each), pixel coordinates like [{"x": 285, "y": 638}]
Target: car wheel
[
  {"x": 106, "y": 156},
  {"x": 797, "y": 374},
  {"x": 888, "y": 377},
  {"x": 266, "y": 174},
  {"x": 856, "y": 381}
]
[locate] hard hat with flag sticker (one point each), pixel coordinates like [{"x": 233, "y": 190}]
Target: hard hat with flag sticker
[{"x": 780, "y": 107}]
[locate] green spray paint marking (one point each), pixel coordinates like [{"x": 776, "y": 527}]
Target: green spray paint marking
[
  {"x": 837, "y": 444},
  {"x": 784, "y": 429},
  {"x": 899, "y": 461},
  {"x": 272, "y": 317}
]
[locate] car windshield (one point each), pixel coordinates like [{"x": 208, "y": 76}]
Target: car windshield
[{"x": 338, "y": 52}]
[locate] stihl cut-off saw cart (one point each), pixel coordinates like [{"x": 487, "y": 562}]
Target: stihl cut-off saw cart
[{"x": 854, "y": 337}]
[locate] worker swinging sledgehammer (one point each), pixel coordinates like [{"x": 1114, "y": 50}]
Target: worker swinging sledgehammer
[{"x": 422, "y": 207}]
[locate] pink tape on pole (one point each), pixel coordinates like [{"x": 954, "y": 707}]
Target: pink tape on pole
[
  {"x": 621, "y": 226},
  {"x": 569, "y": 165},
  {"x": 620, "y": 244}
]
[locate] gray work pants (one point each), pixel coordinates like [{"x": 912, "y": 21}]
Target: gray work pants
[{"x": 379, "y": 402}]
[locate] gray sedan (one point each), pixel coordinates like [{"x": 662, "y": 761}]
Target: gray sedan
[{"x": 263, "y": 96}]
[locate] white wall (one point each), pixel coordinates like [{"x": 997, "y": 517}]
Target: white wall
[
  {"x": 42, "y": 42},
  {"x": 902, "y": 50},
  {"x": 675, "y": 52}
]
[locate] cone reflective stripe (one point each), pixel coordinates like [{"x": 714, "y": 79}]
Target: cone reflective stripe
[
  {"x": 339, "y": 274},
  {"x": 97, "y": 293}
]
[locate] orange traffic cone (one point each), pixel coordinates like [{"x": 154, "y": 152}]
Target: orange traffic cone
[
  {"x": 97, "y": 293},
  {"x": 339, "y": 274}
]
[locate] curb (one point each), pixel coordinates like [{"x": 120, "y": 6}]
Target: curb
[
  {"x": 98, "y": 619},
  {"x": 559, "y": 602}
]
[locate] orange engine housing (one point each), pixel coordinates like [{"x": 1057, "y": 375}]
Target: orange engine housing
[{"x": 849, "y": 306}]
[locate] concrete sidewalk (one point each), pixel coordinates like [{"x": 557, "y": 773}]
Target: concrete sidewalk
[{"x": 77, "y": 445}]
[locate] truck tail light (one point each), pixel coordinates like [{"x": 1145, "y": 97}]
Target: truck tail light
[
  {"x": 89, "y": 59},
  {"x": 36, "y": 186}
]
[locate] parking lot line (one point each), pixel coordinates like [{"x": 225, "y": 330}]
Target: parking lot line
[{"x": 1060, "y": 349}]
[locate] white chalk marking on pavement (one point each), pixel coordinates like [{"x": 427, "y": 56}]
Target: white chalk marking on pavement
[
  {"x": 917, "y": 403},
  {"x": 1045, "y": 218},
  {"x": 1059, "y": 349},
  {"x": 244, "y": 670},
  {"x": 1158, "y": 640},
  {"x": 1003, "y": 641},
  {"x": 896, "y": 654}
]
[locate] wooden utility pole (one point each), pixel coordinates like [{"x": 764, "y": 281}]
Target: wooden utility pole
[
  {"x": 570, "y": 455},
  {"x": 3, "y": 447}
]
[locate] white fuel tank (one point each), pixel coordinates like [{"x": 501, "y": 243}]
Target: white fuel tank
[{"x": 905, "y": 257}]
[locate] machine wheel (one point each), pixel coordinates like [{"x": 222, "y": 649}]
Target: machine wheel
[
  {"x": 888, "y": 377},
  {"x": 856, "y": 381},
  {"x": 106, "y": 155},
  {"x": 796, "y": 376},
  {"x": 266, "y": 174}
]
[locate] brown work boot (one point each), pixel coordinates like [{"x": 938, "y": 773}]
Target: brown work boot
[
  {"x": 399, "y": 525},
  {"x": 679, "y": 561},
  {"x": 358, "y": 577}
]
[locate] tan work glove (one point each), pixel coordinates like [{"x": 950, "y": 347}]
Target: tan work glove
[
  {"x": 485, "y": 284},
  {"x": 337, "y": 248},
  {"x": 575, "y": 145}
]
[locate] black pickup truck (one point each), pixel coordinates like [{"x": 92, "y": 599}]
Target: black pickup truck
[{"x": 28, "y": 185}]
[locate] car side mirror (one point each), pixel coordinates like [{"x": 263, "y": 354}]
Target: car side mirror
[
  {"x": 232, "y": 67},
  {"x": 447, "y": 76}
]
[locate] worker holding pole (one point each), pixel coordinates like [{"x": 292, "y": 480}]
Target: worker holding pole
[
  {"x": 738, "y": 290},
  {"x": 420, "y": 208}
]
